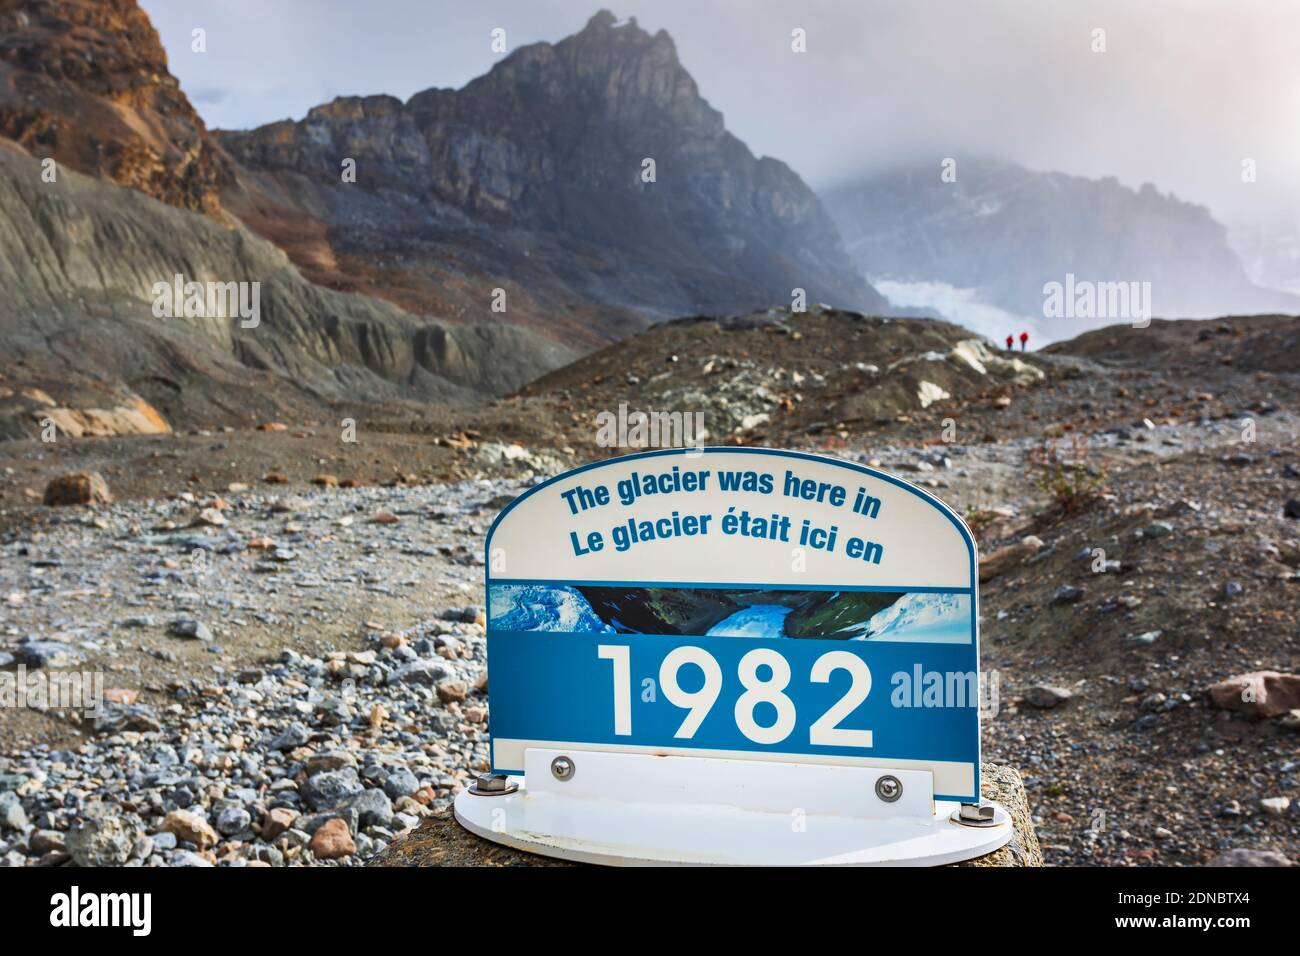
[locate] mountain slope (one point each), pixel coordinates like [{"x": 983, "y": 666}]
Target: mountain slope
[
  {"x": 530, "y": 179},
  {"x": 78, "y": 262},
  {"x": 1004, "y": 231}
]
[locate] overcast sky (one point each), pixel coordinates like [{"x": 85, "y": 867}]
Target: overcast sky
[{"x": 1185, "y": 90}]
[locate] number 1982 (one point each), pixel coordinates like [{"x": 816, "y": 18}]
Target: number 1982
[{"x": 825, "y": 731}]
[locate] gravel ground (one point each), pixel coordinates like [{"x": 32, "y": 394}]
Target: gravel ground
[
  {"x": 285, "y": 662},
  {"x": 298, "y": 678}
]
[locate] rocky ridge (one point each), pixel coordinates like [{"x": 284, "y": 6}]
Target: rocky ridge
[
  {"x": 530, "y": 179},
  {"x": 1002, "y": 232}
]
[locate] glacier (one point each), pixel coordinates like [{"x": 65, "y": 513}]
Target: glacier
[
  {"x": 921, "y": 617},
  {"x": 539, "y": 607},
  {"x": 760, "y": 620}
]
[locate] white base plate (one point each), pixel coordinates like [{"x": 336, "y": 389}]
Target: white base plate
[{"x": 641, "y": 810}]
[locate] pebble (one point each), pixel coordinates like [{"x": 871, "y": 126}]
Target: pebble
[
  {"x": 232, "y": 820},
  {"x": 332, "y": 841},
  {"x": 1245, "y": 857},
  {"x": 1277, "y": 806},
  {"x": 12, "y": 815},
  {"x": 277, "y": 821},
  {"x": 102, "y": 840},
  {"x": 1046, "y": 696},
  {"x": 191, "y": 827},
  {"x": 401, "y": 783},
  {"x": 1068, "y": 594},
  {"x": 190, "y": 629},
  {"x": 52, "y": 654}
]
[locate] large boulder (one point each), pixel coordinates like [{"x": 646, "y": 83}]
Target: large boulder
[
  {"x": 1259, "y": 694},
  {"x": 1004, "y": 559},
  {"x": 82, "y": 488}
]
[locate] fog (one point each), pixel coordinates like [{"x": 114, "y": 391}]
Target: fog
[{"x": 1184, "y": 92}]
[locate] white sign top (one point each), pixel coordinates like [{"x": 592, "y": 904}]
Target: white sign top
[{"x": 663, "y": 516}]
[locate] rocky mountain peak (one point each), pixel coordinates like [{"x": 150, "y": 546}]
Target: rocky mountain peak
[
  {"x": 615, "y": 71},
  {"x": 590, "y": 171}
]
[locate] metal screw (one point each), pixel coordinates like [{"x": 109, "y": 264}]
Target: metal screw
[
  {"x": 889, "y": 788},
  {"x": 562, "y": 768},
  {"x": 975, "y": 815},
  {"x": 492, "y": 785}
]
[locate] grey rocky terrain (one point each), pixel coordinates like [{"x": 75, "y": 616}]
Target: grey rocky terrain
[
  {"x": 79, "y": 260},
  {"x": 291, "y": 661}
]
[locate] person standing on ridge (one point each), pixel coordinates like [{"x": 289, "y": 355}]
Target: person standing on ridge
[
  {"x": 1024, "y": 337},
  {"x": 1010, "y": 339}
]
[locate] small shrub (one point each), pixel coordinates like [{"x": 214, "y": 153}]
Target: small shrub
[{"x": 1065, "y": 474}]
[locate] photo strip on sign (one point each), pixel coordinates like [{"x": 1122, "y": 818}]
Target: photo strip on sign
[{"x": 741, "y": 603}]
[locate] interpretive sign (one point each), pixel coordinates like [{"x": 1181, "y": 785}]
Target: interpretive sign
[{"x": 739, "y": 603}]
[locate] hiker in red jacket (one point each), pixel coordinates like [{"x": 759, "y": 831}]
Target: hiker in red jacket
[
  {"x": 1024, "y": 337},
  {"x": 1010, "y": 339}
]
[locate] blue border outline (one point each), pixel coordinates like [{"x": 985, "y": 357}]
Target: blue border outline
[{"x": 958, "y": 522}]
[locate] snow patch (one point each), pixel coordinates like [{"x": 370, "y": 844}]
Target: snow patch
[
  {"x": 929, "y": 618},
  {"x": 928, "y": 393},
  {"x": 761, "y": 620}
]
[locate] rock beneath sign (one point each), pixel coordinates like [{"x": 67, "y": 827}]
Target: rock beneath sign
[{"x": 81, "y": 488}]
